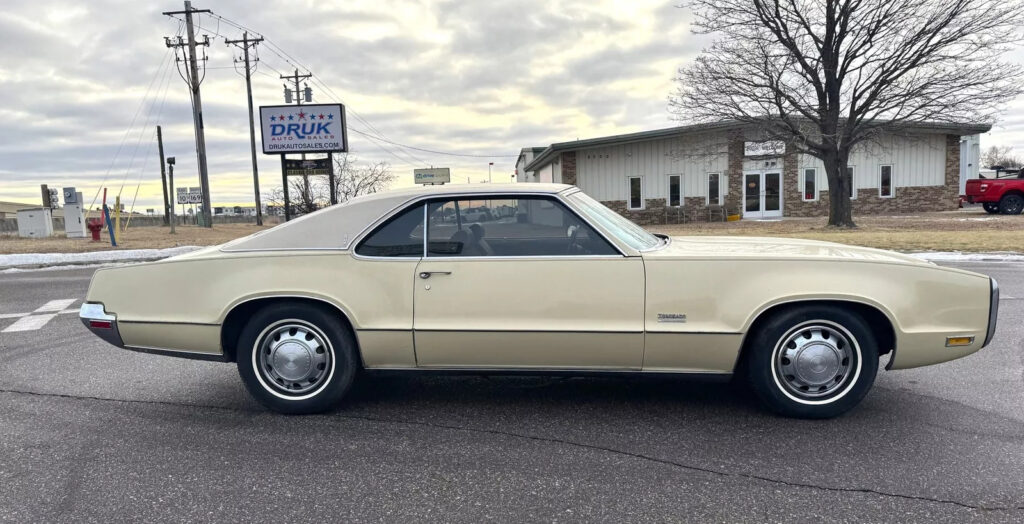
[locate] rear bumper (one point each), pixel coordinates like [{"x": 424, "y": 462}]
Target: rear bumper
[{"x": 101, "y": 323}]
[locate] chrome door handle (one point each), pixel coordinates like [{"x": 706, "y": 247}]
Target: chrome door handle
[{"x": 426, "y": 274}]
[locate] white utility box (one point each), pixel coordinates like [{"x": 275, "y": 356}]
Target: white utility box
[
  {"x": 35, "y": 223},
  {"x": 74, "y": 214}
]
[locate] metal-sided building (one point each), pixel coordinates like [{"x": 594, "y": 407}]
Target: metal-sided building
[{"x": 667, "y": 175}]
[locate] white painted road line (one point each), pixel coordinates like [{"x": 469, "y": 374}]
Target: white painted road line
[
  {"x": 56, "y": 305},
  {"x": 14, "y": 315},
  {"x": 29, "y": 323}
]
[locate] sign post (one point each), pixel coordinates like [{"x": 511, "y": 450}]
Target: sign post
[{"x": 308, "y": 128}]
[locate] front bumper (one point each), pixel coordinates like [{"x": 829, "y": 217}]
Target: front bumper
[
  {"x": 101, "y": 323},
  {"x": 993, "y": 311}
]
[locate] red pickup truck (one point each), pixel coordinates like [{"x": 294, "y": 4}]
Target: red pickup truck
[{"x": 997, "y": 195}]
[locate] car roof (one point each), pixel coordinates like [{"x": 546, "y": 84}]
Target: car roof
[{"x": 336, "y": 227}]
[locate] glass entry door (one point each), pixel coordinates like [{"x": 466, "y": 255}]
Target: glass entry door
[{"x": 762, "y": 194}]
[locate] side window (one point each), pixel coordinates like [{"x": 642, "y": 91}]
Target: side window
[
  {"x": 714, "y": 190},
  {"x": 810, "y": 186},
  {"x": 636, "y": 192},
  {"x": 885, "y": 182},
  {"x": 509, "y": 227},
  {"x": 674, "y": 196},
  {"x": 400, "y": 236}
]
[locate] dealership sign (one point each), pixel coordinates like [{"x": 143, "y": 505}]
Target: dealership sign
[
  {"x": 434, "y": 175},
  {"x": 316, "y": 166},
  {"x": 766, "y": 148},
  {"x": 312, "y": 128}
]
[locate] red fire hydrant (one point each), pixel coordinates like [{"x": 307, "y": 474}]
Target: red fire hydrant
[{"x": 95, "y": 225}]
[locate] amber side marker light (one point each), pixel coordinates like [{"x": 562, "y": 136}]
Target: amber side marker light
[
  {"x": 106, "y": 324},
  {"x": 952, "y": 342}
]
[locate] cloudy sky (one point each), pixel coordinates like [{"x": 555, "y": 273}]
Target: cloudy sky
[{"x": 83, "y": 84}]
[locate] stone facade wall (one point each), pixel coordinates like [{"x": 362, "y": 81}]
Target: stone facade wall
[
  {"x": 656, "y": 211},
  {"x": 569, "y": 168},
  {"x": 734, "y": 196}
]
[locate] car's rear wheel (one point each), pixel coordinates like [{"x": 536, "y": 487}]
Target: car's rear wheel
[
  {"x": 990, "y": 207},
  {"x": 296, "y": 358},
  {"x": 1011, "y": 204},
  {"x": 812, "y": 361}
]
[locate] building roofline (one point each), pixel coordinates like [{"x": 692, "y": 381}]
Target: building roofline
[{"x": 549, "y": 153}]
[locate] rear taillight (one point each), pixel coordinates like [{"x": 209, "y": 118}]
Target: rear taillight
[{"x": 101, "y": 324}]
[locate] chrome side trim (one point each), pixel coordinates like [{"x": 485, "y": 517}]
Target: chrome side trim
[
  {"x": 192, "y": 355},
  {"x": 993, "y": 312},
  {"x": 557, "y": 372}
]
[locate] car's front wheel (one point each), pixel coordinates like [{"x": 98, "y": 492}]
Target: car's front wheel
[
  {"x": 296, "y": 358},
  {"x": 812, "y": 361}
]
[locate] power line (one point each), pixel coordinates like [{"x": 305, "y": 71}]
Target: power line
[
  {"x": 294, "y": 62},
  {"x": 131, "y": 125}
]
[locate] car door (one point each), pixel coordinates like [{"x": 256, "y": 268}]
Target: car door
[{"x": 526, "y": 284}]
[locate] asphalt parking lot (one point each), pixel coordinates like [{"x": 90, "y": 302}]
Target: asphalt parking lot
[{"x": 91, "y": 433}]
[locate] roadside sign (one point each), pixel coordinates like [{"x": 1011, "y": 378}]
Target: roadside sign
[
  {"x": 311, "y": 128},
  {"x": 195, "y": 195},
  {"x": 434, "y": 175},
  {"x": 182, "y": 195},
  {"x": 316, "y": 166}
]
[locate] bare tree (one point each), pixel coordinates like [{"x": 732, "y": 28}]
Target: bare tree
[
  {"x": 307, "y": 194},
  {"x": 827, "y": 75},
  {"x": 352, "y": 180},
  {"x": 1000, "y": 156}
]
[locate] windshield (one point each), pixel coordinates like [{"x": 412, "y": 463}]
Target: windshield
[{"x": 629, "y": 233}]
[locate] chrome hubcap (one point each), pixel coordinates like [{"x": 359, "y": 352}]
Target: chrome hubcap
[
  {"x": 814, "y": 360},
  {"x": 294, "y": 358}
]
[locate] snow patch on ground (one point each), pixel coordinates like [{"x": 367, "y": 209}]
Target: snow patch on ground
[
  {"x": 958, "y": 256},
  {"x": 23, "y": 260}
]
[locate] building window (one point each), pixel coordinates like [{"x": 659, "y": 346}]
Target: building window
[
  {"x": 714, "y": 189},
  {"x": 674, "y": 193},
  {"x": 853, "y": 182},
  {"x": 885, "y": 182},
  {"x": 636, "y": 192},
  {"x": 810, "y": 185}
]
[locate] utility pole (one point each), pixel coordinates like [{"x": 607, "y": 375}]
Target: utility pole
[
  {"x": 193, "y": 80},
  {"x": 163, "y": 175},
  {"x": 170, "y": 165},
  {"x": 246, "y": 43},
  {"x": 299, "y": 94}
]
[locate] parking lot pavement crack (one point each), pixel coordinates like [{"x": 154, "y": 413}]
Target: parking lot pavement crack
[{"x": 565, "y": 442}]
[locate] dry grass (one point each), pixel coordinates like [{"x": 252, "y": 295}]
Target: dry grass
[
  {"x": 134, "y": 238},
  {"x": 965, "y": 230}
]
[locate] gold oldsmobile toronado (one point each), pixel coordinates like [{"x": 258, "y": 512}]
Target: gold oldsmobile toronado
[{"x": 538, "y": 278}]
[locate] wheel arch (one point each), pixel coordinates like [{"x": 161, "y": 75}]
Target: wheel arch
[
  {"x": 235, "y": 318},
  {"x": 879, "y": 321}
]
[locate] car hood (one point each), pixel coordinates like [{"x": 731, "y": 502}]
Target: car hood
[{"x": 774, "y": 248}]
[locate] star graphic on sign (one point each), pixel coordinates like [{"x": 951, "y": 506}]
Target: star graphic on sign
[
  {"x": 330, "y": 116},
  {"x": 273, "y": 118},
  {"x": 302, "y": 116},
  {"x": 290, "y": 117},
  {"x": 321, "y": 116}
]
